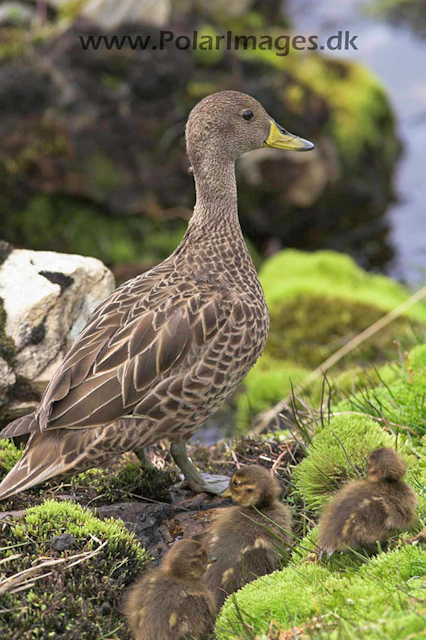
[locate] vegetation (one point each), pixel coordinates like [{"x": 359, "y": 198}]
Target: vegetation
[
  {"x": 374, "y": 603},
  {"x": 317, "y": 303},
  {"x": 76, "y": 570},
  {"x": 337, "y": 454},
  {"x": 351, "y": 594}
]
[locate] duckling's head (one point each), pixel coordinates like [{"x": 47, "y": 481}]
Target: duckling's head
[
  {"x": 186, "y": 559},
  {"x": 384, "y": 464},
  {"x": 227, "y": 124},
  {"x": 253, "y": 486}
]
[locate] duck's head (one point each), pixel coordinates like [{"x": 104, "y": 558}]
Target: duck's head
[
  {"x": 229, "y": 123},
  {"x": 252, "y": 486},
  {"x": 186, "y": 559},
  {"x": 384, "y": 464}
]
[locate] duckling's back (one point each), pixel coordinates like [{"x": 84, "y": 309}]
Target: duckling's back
[
  {"x": 246, "y": 543},
  {"x": 364, "y": 513},
  {"x": 160, "y": 607}
]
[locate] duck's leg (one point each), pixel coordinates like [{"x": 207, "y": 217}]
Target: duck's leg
[
  {"x": 146, "y": 463},
  {"x": 198, "y": 482}
]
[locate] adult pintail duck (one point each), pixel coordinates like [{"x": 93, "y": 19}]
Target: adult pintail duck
[{"x": 168, "y": 347}]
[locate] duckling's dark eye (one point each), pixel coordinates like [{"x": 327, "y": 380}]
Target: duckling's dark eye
[
  {"x": 247, "y": 114},
  {"x": 235, "y": 483}
]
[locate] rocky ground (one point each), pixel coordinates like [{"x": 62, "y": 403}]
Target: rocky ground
[{"x": 157, "y": 509}]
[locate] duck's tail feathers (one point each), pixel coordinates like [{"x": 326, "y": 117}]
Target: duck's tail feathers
[
  {"x": 20, "y": 426},
  {"x": 53, "y": 453},
  {"x": 39, "y": 462}
]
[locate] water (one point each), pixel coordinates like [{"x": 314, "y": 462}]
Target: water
[{"x": 398, "y": 58}]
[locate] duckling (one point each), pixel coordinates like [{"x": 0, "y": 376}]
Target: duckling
[
  {"x": 246, "y": 541},
  {"x": 371, "y": 510},
  {"x": 171, "y": 602}
]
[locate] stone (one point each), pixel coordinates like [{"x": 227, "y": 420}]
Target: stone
[
  {"x": 111, "y": 14},
  {"x": 47, "y": 298},
  {"x": 16, "y": 14},
  {"x": 62, "y": 542},
  {"x": 7, "y": 379}
]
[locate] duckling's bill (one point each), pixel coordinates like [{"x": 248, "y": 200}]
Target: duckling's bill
[
  {"x": 227, "y": 493},
  {"x": 279, "y": 138}
]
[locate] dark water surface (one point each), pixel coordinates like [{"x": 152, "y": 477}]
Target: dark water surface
[{"x": 398, "y": 58}]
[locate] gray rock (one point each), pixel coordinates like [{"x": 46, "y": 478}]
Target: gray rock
[
  {"x": 111, "y": 14},
  {"x": 47, "y": 298},
  {"x": 7, "y": 379},
  {"x": 16, "y": 14},
  {"x": 62, "y": 542}
]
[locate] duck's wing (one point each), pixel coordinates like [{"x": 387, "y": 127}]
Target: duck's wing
[{"x": 143, "y": 331}]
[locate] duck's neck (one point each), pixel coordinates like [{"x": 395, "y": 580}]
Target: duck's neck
[{"x": 216, "y": 207}]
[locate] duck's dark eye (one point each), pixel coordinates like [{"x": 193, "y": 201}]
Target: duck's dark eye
[
  {"x": 247, "y": 114},
  {"x": 235, "y": 483}
]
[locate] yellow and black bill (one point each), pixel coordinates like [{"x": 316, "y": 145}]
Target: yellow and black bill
[{"x": 279, "y": 138}]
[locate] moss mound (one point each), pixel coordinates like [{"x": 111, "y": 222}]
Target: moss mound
[
  {"x": 131, "y": 482},
  {"x": 126, "y": 482},
  {"x": 401, "y": 401},
  {"x": 319, "y": 301},
  {"x": 337, "y": 454},
  {"x": 366, "y": 604},
  {"x": 77, "y": 598}
]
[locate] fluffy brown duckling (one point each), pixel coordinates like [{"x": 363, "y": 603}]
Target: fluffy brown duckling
[
  {"x": 369, "y": 511},
  {"x": 171, "y": 602},
  {"x": 246, "y": 541}
]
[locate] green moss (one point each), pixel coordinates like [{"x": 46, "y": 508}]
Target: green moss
[
  {"x": 131, "y": 482},
  {"x": 288, "y": 595},
  {"x": 207, "y": 52},
  {"x": 70, "y": 601},
  {"x": 319, "y": 301},
  {"x": 401, "y": 401},
  {"x": 9, "y": 456},
  {"x": 89, "y": 231},
  {"x": 411, "y": 12},
  {"x": 361, "y": 116},
  {"x": 365, "y": 604},
  {"x": 326, "y": 467},
  {"x": 104, "y": 176}
]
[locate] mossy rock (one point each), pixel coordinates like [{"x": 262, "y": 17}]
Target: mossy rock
[
  {"x": 319, "y": 301},
  {"x": 127, "y": 481},
  {"x": 366, "y": 604},
  {"x": 7, "y": 345},
  {"x": 80, "y": 600},
  {"x": 409, "y": 12},
  {"x": 90, "y": 231},
  {"x": 337, "y": 454}
]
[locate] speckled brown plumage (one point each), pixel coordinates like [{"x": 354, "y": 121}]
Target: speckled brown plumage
[
  {"x": 248, "y": 540},
  {"x": 369, "y": 511},
  {"x": 167, "y": 348},
  {"x": 172, "y": 602}
]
